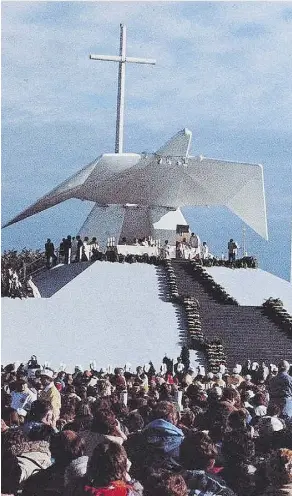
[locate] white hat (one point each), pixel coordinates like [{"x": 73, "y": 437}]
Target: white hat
[{"x": 47, "y": 373}]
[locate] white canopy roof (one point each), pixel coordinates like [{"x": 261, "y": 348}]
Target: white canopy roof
[{"x": 168, "y": 178}]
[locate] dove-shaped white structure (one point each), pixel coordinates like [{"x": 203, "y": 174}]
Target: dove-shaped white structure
[{"x": 141, "y": 195}]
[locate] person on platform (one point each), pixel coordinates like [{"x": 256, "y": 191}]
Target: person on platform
[
  {"x": 94, "y": 249},
  {"x": 79, "y": 249},
  {"x": 86, "y": 250},
  {"x": 73, "y": 248},
  {"x": 165, "y": 250},
  {"x": 180, "y": 249},
  {"x": 232, "y": 250},
  {"x": 204, "y": 251},
  {"x": 67, "y": 249},
  {"x": 195, "y": 243},
  {"x": 62, "y": 250},
  {"x": 50, "y": 253}
]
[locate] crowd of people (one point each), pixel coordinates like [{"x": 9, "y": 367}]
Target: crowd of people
[
  {"x": 16, "y": 281},
  {"x": 176, "y": 432}
]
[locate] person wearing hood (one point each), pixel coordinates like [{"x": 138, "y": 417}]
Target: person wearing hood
[{"x": 157, "y": 445}]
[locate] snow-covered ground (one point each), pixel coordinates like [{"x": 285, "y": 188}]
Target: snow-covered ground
[
  {"x": 111, "y": 313},
  {"x": 253, "y": 286}
]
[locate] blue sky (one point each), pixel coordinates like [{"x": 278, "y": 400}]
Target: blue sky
[{"x": 223, "y": 70}]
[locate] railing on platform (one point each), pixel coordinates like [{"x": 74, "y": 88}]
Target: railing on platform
[{"x": 28, "y": 269}]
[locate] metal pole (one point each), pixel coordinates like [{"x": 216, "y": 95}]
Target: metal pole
[
  {"x": 121, "y": 92},
  {"x": 244, "y": 241}
]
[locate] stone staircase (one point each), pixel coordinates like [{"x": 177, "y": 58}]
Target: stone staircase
[{"x": 244, "y": 331}]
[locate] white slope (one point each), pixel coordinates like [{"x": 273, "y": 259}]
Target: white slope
[
  {"x": 253, "y": 286},
  {"x": 112, "y": 313}
]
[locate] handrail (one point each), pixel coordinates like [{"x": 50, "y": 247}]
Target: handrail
[{"x": 32, "y": 267}]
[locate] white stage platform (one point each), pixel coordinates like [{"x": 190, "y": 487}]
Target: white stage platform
[
  {"x": 253, "y": 286},
  {"x": 112, "y": 313}
]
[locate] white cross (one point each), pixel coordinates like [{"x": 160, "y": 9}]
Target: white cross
[{"x": 122, "y": 59}]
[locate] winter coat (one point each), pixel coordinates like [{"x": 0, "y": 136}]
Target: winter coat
[
  {"x": 37, "y": 456},
  {"x": 54, "y": 480},
  {"x": 201, "y": 483},
  {"x": 156, "y": 446},
  {"x": 54, "y": 397}
]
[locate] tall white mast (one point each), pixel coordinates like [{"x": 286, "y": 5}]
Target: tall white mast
[{"x": 121, "y": 59}]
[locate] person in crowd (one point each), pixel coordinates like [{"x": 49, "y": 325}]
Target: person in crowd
[
  {"x": 158, "y": 443},
  {"x": 280, "y": 473},
  {"x": 107, "y": 474},
  {"x": 22, "y": 397},
  {"x": 41, "y": 414},
  {"x": 165, "y": 483},
  {"x": 280, "y": 389},
  {"x": 155, "y": 428},
  {"x": 50, "y": 392},
  {"x": 32, "y": 455},
  {"x": 14, "y": 284},
  {"x": 69, "y": 465},
  {"x": 197, "y": 458},
  {"x": 104, "y": 427},
  {"x": 232, "y": 250}
]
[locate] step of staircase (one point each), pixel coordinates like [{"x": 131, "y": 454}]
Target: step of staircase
[{"x": 246, "y": 333}]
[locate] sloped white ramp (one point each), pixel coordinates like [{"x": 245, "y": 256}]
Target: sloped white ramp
[
  {"x": 112, "y": 313},
  {"x": 250, "y": 287}
]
